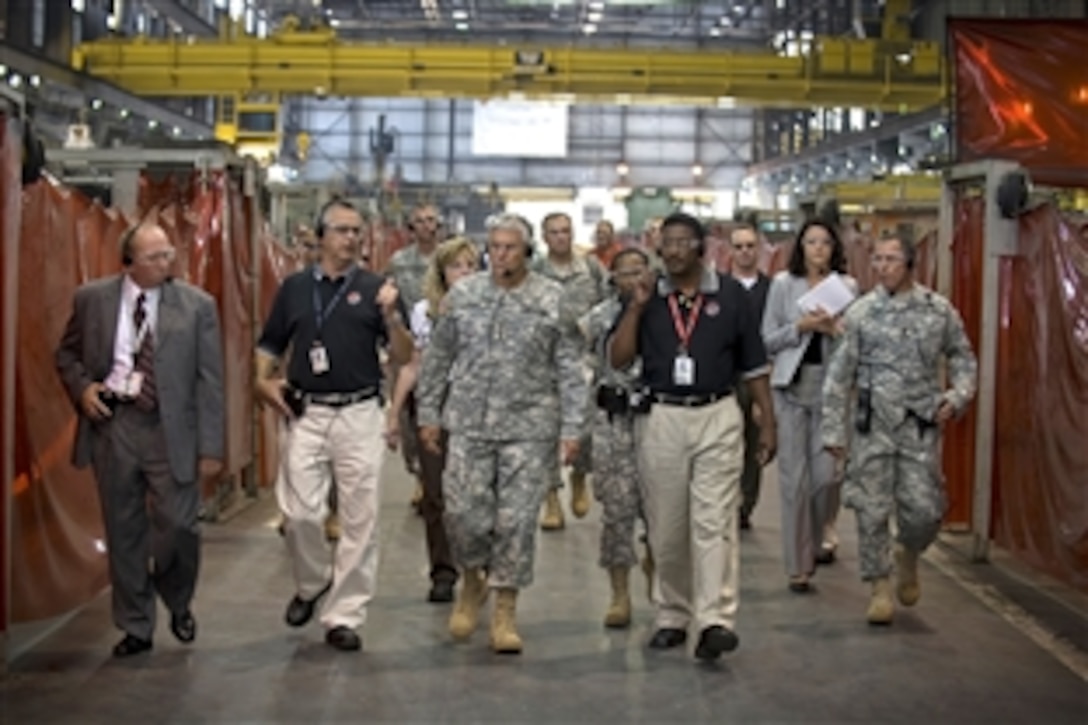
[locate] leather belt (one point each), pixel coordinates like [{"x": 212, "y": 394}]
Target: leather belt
[
  {"x": 340, "y": 400},
  {"x": 691, "y": 401}
]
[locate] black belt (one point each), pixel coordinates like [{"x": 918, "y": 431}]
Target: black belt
[
  {"x": 691, "y": 401},
  {"x": 340, "y": 400}
]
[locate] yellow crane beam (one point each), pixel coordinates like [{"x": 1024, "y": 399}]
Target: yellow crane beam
[{"x": 892, "y": 75}]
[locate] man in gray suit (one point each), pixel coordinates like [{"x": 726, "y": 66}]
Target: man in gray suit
[{"x": 142, "y": 363}]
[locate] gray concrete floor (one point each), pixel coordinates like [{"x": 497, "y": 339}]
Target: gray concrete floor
[{"x": 808, "y": 658}]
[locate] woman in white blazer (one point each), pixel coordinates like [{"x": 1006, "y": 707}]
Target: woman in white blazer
[{"x": 800, "y": 344}]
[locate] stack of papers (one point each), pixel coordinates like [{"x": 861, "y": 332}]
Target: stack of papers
[{"x": 833, "y": 295}]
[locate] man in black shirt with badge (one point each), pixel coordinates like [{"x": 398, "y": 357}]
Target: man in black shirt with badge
[
  {"x": 332, "y": 316},
  {"x": 696, "y": 336}
]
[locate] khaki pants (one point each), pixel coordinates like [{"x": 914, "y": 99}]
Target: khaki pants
[
  {"x": 345, "y": 444},
  {"x": 690, "y": 461}
]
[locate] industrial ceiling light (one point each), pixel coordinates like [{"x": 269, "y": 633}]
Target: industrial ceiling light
[
  {"x": 459, "y": 15},
  {"x": 597, "y": 5},
  {"x": 622, "y": 169},
  {"x": 589, "y": 28},
  {"x": 594, "y": 16},
  {"x": 715, "y": 32},
  {"x": 96, "y": 103},
  {"x": 461, "y": 26},
  {"x": 35, "y": 80},
  {"x": 15, "y": 80},
  {"x": 697, "y": 170}
]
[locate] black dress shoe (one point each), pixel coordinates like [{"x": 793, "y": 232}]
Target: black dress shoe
[
  {"x": 131, "y": 645},
  {"x": 745, "y": 521},
  {"x": 183, "y": 626},
  {"x": 825, "y": 556},
  {"x": 300, "y": 611},
  {"x": 441, "y": 591},
  {"x": 714, "y": 640},
  {"x": 667, "y": 638},
  {"x": 343, "y": 638}
]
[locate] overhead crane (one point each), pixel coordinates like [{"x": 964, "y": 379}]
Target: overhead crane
[{"x": 891, "y": 74}]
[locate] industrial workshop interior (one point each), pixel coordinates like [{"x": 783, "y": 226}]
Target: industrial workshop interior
[{"x": 512, "y": 519}]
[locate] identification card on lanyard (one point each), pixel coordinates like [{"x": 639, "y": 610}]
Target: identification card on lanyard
[
  {"x": 319, "y": 356},
  {"x": 683, "y": 366}
]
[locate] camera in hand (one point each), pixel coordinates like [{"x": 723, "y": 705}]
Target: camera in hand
[
  {"x": 295, "y": 400},
  {"x": 109, "y": 398}
]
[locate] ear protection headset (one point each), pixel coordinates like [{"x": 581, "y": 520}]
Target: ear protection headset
[{"x": 125, "y": 245}]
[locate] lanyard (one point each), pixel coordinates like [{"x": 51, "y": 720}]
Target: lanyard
[
  {"x": 320, "y": 313},
  {"x": 684, "y": 330}
]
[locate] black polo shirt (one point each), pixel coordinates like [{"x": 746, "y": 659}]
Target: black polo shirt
[
  {"x": 725, "y": 343},
  {"x": 352, "y": 330}
]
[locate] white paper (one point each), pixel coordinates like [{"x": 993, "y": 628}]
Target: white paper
[{"x": 833, "y": 295}]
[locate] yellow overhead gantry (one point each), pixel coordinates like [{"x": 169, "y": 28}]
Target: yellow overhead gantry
[{"x": 892, "y": 73}]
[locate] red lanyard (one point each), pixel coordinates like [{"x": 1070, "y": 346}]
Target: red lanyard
[{"x": 684, "y": 330}]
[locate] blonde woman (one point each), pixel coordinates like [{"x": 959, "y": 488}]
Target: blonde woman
[{"x": 452, "y": 260}]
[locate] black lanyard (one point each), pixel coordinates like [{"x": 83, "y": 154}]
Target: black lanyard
[{"x": 320, "y": 312}]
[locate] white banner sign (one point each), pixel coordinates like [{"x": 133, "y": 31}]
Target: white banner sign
[{"x": 519, "y": 128}]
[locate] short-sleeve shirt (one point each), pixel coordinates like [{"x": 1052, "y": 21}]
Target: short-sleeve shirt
[
  {"x": 725, "y": 343},
  {"x": 351, "y": 332}
]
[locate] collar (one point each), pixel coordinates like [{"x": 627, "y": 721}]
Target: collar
[
  {"x": 130, "y": 291},
  {"x": 709, "y": 283},
  {"x": 319, "y": 274}
]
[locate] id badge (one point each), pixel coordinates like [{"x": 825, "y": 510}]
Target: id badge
[
  {"x": 319, "y": 360},
  {"x": 133, "y": 384},
  {"x": 683, "y": 370}
]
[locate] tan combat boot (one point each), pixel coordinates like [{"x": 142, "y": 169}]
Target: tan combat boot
[
  {"x": 466, "y": 610},
  {"x": 553, "y": 512},
  {"x": 881, "y": 606},
  {"x": 504, "y": 636},
  {"x": 618, "y": 615},
  {"x": 906, "y": 574},
  {"x": 579, "y": 494}
]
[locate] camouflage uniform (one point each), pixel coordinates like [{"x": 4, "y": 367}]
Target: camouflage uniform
[
  {"x": 892, "y": 348},
  {"x": 407, "y": 267},
  {"x": 507, "y": 384},
  {"x": 584, "y": 285},
  {"x": 616, "y": 481}
]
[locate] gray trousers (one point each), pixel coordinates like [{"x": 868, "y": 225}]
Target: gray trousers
[
  {"x": 149, "y": 516},
  {"x": 752, "y": 471},
  {"x": 806, "y": 472}
]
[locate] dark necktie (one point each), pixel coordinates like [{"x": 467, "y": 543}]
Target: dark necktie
[{"x": 144, "y": 363}]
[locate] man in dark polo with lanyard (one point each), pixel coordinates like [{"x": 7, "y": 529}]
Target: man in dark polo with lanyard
[
  {"x": 332, "y": 316},
  {"x": 696, "y": 337}
]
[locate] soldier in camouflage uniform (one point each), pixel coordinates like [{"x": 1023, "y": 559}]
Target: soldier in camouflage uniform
[
  {"x": 890, "y": 354},
  {"x": 503, "y": 379},
  {"x": 584, "y": 285},
  {"x": 616, "y": 480},
  {"x": 407, "y": 267}
]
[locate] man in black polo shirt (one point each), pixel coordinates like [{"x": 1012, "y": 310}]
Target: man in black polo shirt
[
  {"x": 696, "y": 336},
  {"x": 332, "y": 316}
]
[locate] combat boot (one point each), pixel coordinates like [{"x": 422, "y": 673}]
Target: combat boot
[
  {"x": 579, "y": 494},
  {"x": 553, "y": 512},
  {"x": 907, "y": 588},
  {"x": 881, "y": 606},
  {"x": 618, "y": 615},
  {"x": 466, "y": 611},
  {"x": 504, "y": 636}
]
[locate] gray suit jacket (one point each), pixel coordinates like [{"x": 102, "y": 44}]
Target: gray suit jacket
[
  {"x": 780, "y": 336},
  {"x": 188, "y": 368}
]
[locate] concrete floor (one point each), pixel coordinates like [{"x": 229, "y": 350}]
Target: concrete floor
[{"x": 807, "y": 658}]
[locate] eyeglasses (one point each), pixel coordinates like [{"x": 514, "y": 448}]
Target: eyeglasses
[
  {"x": 163, "y": 255},
  {"x": 882, "y": 259},
  {"x": 744, "y": 246},
  {"x": 345, "y": 229}
]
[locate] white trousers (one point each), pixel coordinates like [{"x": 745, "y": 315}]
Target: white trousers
[
  {"x": 690, "y": 461},
  {"x": 346, "y": 442}
]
